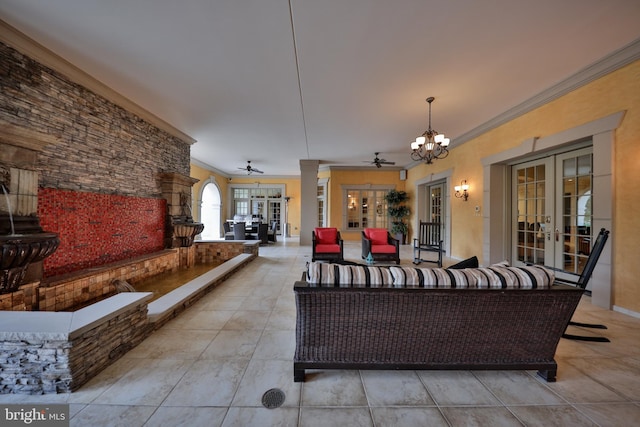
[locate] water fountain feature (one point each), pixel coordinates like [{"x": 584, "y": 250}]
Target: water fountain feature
[
  {"x": 181, "y": 229},
  {"x": 184, "y": 228},
  {"x": 18, "y": 250}
]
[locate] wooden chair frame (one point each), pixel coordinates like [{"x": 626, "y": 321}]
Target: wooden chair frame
[
  {"x": 582, "y": 281},
  {"x": 428, "y": 240}
]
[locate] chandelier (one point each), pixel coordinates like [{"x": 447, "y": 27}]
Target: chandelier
[{"x": 431, "y": 144}]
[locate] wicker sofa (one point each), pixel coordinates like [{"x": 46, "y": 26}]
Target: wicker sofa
[{"x": 363, "y": 317}]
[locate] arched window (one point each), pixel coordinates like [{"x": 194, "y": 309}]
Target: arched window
[{"x": 210, "y": 207}]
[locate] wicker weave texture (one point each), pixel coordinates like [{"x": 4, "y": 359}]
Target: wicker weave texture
[{"x": 439, "y": 328}]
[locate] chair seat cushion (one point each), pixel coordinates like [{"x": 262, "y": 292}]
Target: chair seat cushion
[
  {"x": 378, "y": 236},
  {"x": 383, "y": 249},
  {"x": 326, "y": 235},
  {"x": 327, "y": 248}
]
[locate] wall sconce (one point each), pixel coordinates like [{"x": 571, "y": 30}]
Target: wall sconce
[{"x": 462, "y": 190}]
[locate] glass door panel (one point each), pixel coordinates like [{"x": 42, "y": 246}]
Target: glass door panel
[
  {"x": 573, "y": 239},
  {"x": 552, "y": 212},
  {"x": 436, "y": 212},
  {"x": 435, "y": 203},
  {"x": 274, "y": 214},
  {"x": 531, "y": 233}
]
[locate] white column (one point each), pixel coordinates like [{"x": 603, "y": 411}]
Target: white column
[{"x": 309, "y": 199}]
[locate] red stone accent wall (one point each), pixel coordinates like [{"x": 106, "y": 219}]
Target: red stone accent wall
[{"x": 96, "y": 229}]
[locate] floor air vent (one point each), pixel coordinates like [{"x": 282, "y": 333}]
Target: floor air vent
[{"x": 273, "y": 398}]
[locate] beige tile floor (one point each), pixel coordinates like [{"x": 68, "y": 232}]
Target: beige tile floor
[{"x": 212, "y": 364}]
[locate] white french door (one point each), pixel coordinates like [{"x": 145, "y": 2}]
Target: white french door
[
  {"x": 552, "y": 211},
  {"x": 533, "y": 207},
  {"x": 434, "y": 196}
]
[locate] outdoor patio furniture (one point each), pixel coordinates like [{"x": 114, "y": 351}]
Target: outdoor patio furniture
[
  {"x": 239, "y": 231},
  {"x": 582, "y": 281},
  {"x": 379, "y": 243},
  {"x": 326, "y": 244},
  {"x": 430, "y": 241},
  {"x": 373, "y": 317},
  {"x": 271, "y": 233}
]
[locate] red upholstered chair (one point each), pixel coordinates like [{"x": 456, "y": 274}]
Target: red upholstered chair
[
  {"x": 380, "y": 244},
  {"x": 327, "y": 244}
]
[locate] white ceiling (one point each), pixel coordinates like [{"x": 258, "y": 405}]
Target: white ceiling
[{"x": 274, "y": 82}]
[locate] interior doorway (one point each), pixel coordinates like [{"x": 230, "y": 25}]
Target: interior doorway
[
  {"x": 552, "y": 211},
  {"x": 210, "y": 207},
  {"x": 496, "y": 214},
  {"x": 433, "y": 204}
]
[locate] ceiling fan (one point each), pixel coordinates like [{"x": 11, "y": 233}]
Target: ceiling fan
[
  {"x": 250, "y": 169},
  {"x": 379, "y": 162}
]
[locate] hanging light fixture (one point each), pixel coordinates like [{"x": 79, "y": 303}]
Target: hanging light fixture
[{"x": 431, "y": 144}]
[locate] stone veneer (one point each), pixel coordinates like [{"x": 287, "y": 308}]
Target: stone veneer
[
  {"x": 87, "y": 153},
  {"x": 43, "y": 352},
  {"x": 209, "y": 252},
  {"x": 81, "y": 288},
  {"x": 24, "y": 299},
  {"x": 57, "y": 352},
  {"x": 94, "y": 145},
  {"x": 85, "y": 287}
]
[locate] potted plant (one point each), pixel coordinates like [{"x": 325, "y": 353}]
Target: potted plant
[{"x": 398, "y": 213}]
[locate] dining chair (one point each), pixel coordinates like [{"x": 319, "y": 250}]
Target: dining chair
[{"x": 239, "y": 231}]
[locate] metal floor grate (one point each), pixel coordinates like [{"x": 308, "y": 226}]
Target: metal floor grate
[{"x": 273, "y": 398}]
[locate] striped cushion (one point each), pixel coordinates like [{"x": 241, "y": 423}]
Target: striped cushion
[
  {"x": 492, "y": 278},
  {"x": 320, "y": 273},
  {"x": 432, "y": 277},
  {"x": 534, "y": 277},
  {"x": 337, "y": 275},
  {"x": 363, "y": 276},
  {"x": 529, "y": 277},
  {"x": 327, "y": 274}
]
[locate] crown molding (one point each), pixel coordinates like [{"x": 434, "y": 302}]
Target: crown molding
[
  {"x": 26, "y": 45},
  {"x": 208, "y": 167},
  {"x": 360, "y": 168},
  {"x": 612, "y": 62}
]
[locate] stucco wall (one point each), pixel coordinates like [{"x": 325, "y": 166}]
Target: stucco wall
[
  {"x": 615, "y": 92},
  {"x": 292, "y": 189}
]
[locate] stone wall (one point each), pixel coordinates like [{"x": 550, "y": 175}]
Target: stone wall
[
  {"x": 212, "y": 251},
  {"x": 61, "y": 360},
  {"x": 74, "y": 290},
  {"x": 78, "y": 345},
  {"x": 23, "y": 371},
  {"x": 97, "y": 348},
  {"x": 99, "y": 146},
  {"x": 24, "y": 299}
]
